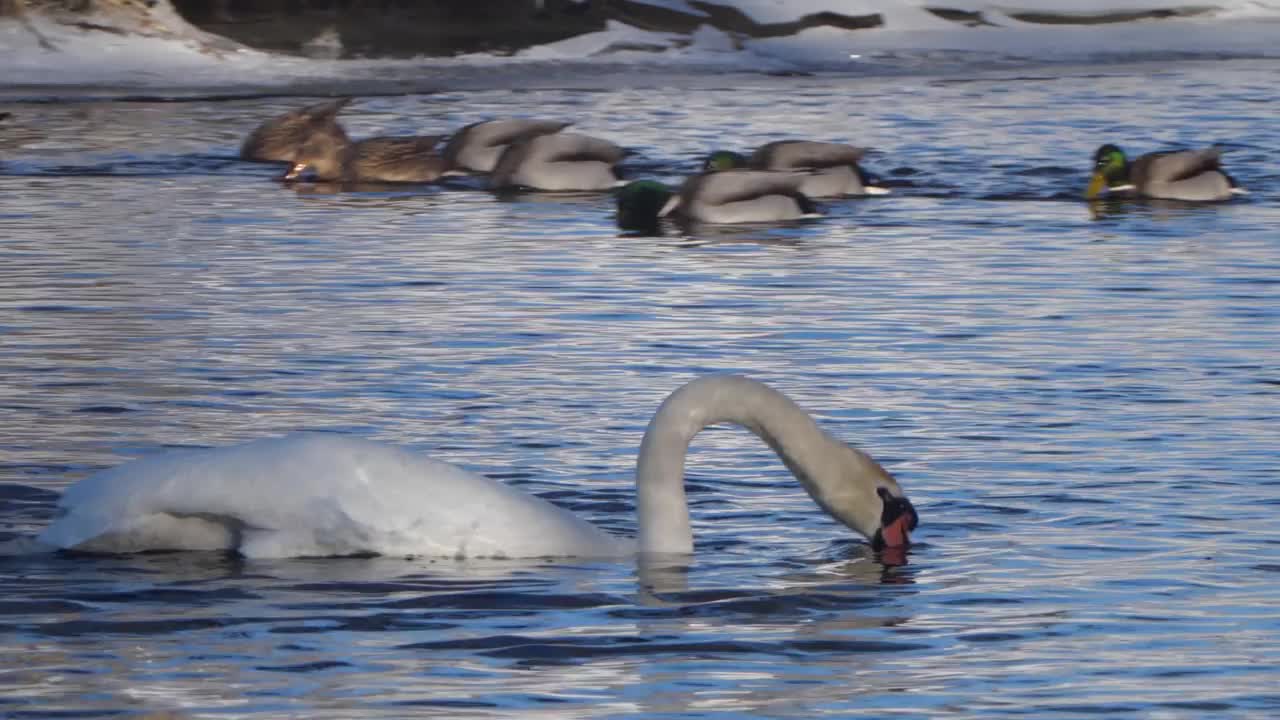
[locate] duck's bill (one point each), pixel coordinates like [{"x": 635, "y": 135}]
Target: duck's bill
[
  {"x": 1097, "y": 184},
  {"x": 898, "y": 532},
  {"x": 295, "y": 171}
]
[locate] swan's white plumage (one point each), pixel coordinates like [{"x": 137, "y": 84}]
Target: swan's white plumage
[{"x": 313, "y": 495}]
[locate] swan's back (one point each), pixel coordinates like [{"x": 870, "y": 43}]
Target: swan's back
[{"x": 312, "y": 494}]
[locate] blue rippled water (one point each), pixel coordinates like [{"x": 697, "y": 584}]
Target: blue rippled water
[{"x": 1081, "y": 402}]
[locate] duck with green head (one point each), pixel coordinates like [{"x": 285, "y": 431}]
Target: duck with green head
[
  {"x": 727, "y": 197},
  {"x": 640, "y": 205},
  {"x": 1194, "y": 175},
  {"x": 833, "y": 169}
]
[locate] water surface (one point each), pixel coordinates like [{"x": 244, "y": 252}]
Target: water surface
[{"x": 1081, "y": 403}]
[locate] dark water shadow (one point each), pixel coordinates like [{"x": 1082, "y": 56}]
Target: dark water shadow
[
  {"x": 693, "y": 234},
  {"x": 1153, "y": 208},
  {"x": 525, "y": 195},
  {"x": 159, "y": 166},
  {"x": 384, "y": 190},
  {"x": 783, "y": 233}
]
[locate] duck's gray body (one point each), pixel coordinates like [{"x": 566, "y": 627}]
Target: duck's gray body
[
  {"x": 1182, "y": 175},
  {"x": 833, "y": 182},
  {"x": 278, "y": 139},
  {"x": 478, "y": 146},
  {"x": 558, "y": 162},
  {"x": 832, "y": 168},
  {"x": 740, "y": 196}
]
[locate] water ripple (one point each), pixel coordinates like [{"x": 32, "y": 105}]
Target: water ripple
[{"x": 1080, "y": 401}]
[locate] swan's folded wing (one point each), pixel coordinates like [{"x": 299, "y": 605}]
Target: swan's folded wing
[
  {"x": 1168, "y": 167},
  {"x": 313, "y": 485},
  {"x": 314, "y": 495},
  {"x": 730, "y": 186},
  {"x": 801, "y": 154}
]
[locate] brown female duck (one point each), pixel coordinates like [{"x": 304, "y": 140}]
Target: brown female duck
[
  {"x": 333, "y": 157},
  {"x": 278, "y": 139}
]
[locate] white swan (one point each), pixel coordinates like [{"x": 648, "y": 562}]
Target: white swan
[{"x": 319, "y": 495}]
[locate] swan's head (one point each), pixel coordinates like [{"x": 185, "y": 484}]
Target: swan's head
[{"x": 867, "y": 499}]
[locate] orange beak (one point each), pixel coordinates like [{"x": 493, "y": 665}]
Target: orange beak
[
  {"x": 295, "y": 171},
  {"x": 898, "y": 532},
  {"x": 897, "y": 520}
]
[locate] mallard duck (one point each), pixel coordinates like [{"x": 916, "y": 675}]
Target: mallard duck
[
  {"x": 332, "y": 157},
  {"x": 640, "y": 204},
  {"x": 1172, "y": 175},
  {"x": 558, "y": 161},
  {"x": 278, "y": 139},
  {"x": 729, "y": 196},
  {"x": 478, "y": 146},
  {"x": 833, "y": 169}
]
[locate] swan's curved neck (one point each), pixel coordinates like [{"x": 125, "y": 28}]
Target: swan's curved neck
[{"x": 661, "y": 505}]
